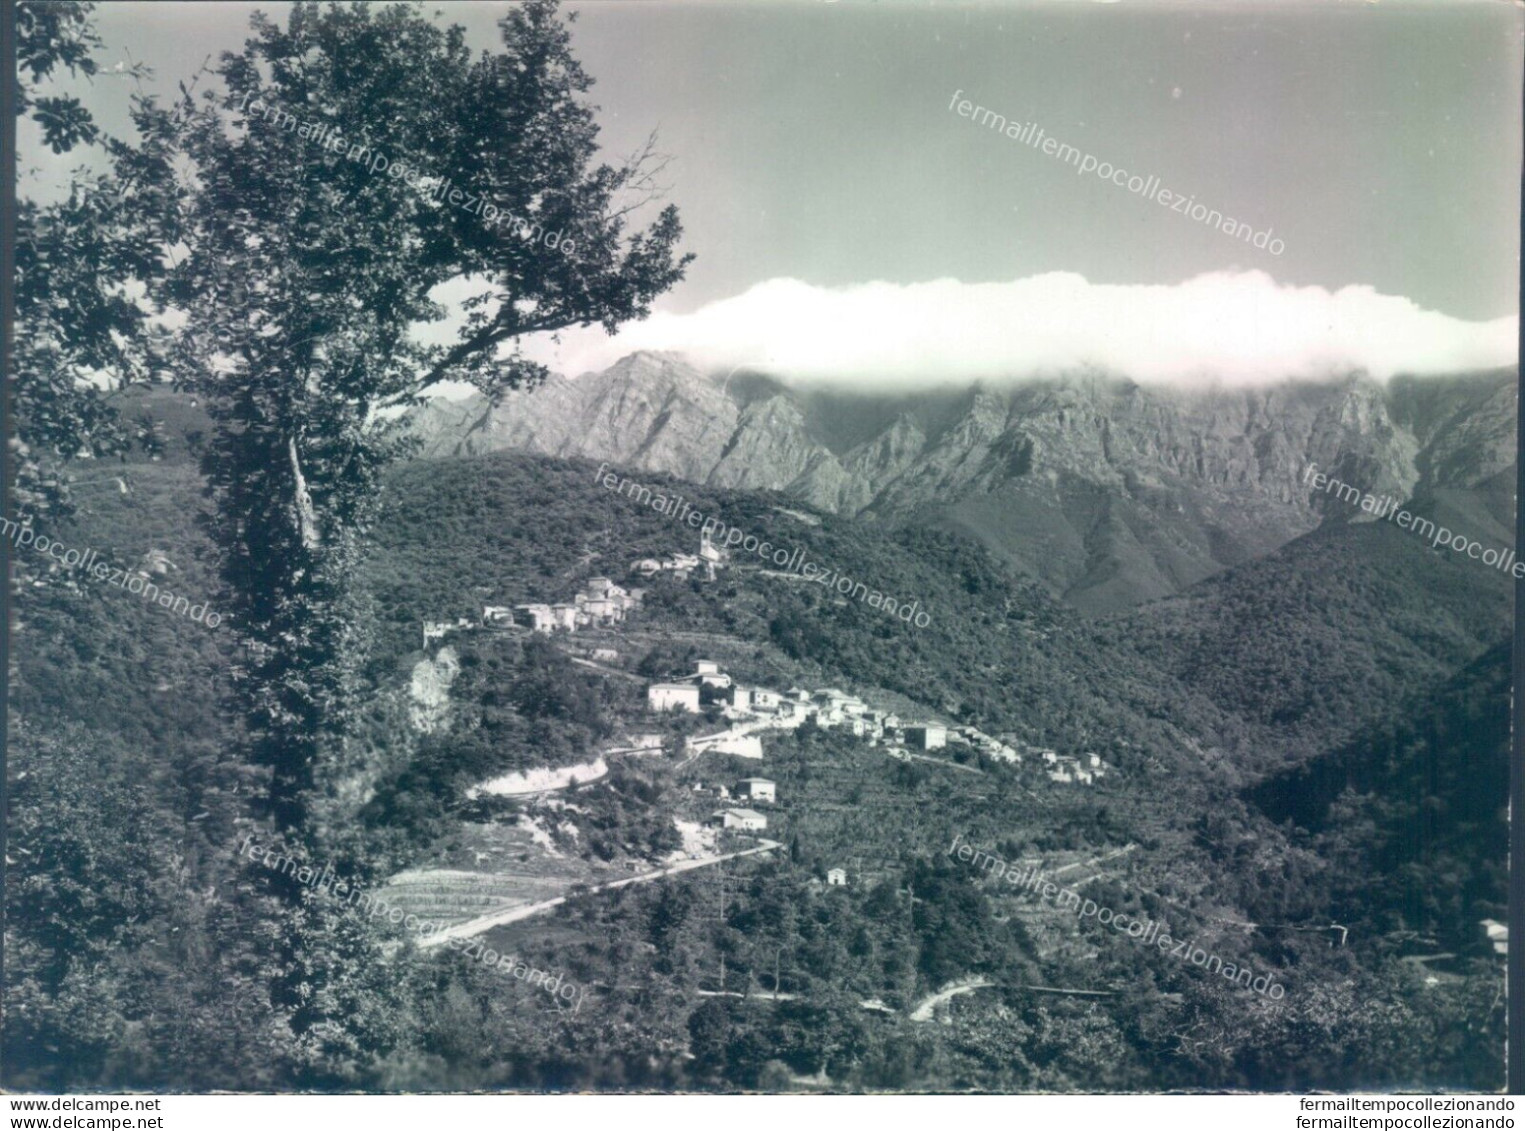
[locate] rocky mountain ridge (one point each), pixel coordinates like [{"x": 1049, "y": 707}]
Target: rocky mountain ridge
[{"x": 1110, "y": 491}]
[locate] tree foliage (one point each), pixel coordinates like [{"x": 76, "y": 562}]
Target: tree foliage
[
  {"x": 310, "y": 274},
  {"x": 89, "y": 266}
]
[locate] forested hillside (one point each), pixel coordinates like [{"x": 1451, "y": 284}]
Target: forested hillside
[{"x": 1185, "y": 847}]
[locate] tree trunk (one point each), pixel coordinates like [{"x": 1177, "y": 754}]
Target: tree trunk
[{"x": 306, "y": 516}]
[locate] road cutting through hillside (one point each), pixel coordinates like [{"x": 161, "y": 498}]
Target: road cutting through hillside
[
  {"x": 604, "y": 669},
  {"x": 528, "y": 911},
  {"x": 923, "y": 1010}
]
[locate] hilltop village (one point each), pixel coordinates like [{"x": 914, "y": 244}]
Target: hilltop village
[{"x": 749, "y": 712}]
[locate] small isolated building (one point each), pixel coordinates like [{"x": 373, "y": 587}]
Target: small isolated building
[
  {"x": 673, "y": 697},
  {"x": 497, "y": 615},
  {"x": 438, "y": 630},
  {"x": 757, "y": 789},
  {"x": 607, "y": 655},
  {"x": 706, "y": 667},
  {"x": 748, "y": 820},
  {"x": 1498, "y": 935},
  {"x": 926, "y": 736},
  {"x": 836, "y": 877}
]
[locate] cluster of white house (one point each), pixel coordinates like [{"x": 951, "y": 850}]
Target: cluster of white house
[
  {"x": 682, "y": 566},
  {"x": 827, "y": 708},
  {"x": 1068, "y": 768},
  {"x": 756, "y": 790},
  {"x": 753, "y": 709},
  {"x": 984, "y": 743},
  {"x": 600, "y": 603}
]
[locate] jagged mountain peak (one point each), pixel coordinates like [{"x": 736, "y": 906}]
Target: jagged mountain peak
[
  {"x": 1112, "y": 491},
  {"x": 662, "y": 363}
]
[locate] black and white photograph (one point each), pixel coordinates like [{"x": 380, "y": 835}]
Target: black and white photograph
[{"x": 759, "y": 547}]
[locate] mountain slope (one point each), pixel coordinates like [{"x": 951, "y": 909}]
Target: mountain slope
[
  {"x": 1325, "y": 635},
  {"x": 1109, "y": 492},
  {"x": 1412, "y": 815}
]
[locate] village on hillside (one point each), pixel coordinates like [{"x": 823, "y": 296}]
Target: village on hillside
[{"x": 749, "y": 711}]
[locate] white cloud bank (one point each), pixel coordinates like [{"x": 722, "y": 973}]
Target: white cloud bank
[{"x": 1230, "y": 328}]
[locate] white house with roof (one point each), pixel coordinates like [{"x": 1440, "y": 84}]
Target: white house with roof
[
  {"x": 673, "y": 697},
  {"x": 1070, "y": 767},
  {"x": 711, "y": 556},
  {"x": 1498, "y": 935},
  {"x": 765, "y": 700},
  {"x": 438, "y": 630},
  {"x": 926, "y": 736},
  {"x": 536, "y": 617},
  {"x": 757, "y": 789},
  {"x": 603, "y": 610},
  {"x": 681, "y": 565},
  {"x": 748, "y": 820}
]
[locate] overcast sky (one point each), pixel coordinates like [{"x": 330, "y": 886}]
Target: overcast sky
[{"x": 814, "y": 142}]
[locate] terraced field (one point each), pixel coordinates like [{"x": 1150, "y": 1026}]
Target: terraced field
[{"x": 492, "y": 868}]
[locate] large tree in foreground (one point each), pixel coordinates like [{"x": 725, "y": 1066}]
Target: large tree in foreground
[{"x": 355, "y": 160}]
